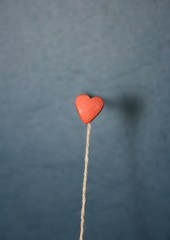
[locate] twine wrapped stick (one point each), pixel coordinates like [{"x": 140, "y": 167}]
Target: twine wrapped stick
[
  {"x": 88, "y": 109},
  {"x": 86, "y": 161}
]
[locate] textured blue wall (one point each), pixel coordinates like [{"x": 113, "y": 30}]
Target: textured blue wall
[{"x": 51, "y": 51}]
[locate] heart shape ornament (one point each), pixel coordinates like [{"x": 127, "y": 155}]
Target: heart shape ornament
[{"x": 88, "y": 108}]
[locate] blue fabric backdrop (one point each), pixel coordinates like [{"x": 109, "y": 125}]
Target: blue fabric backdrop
[{"x": 51, "y": 51}]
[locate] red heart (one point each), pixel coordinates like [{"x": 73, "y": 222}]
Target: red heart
[{"x": 88, "y": 108}]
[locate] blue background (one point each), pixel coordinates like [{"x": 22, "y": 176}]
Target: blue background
[{"x": 51, "y": 51}]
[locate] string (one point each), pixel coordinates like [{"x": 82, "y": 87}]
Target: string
[{"x": 84, "y": 188}]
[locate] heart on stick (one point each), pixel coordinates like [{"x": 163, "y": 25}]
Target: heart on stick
[{"x": 88, "y": 108}]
